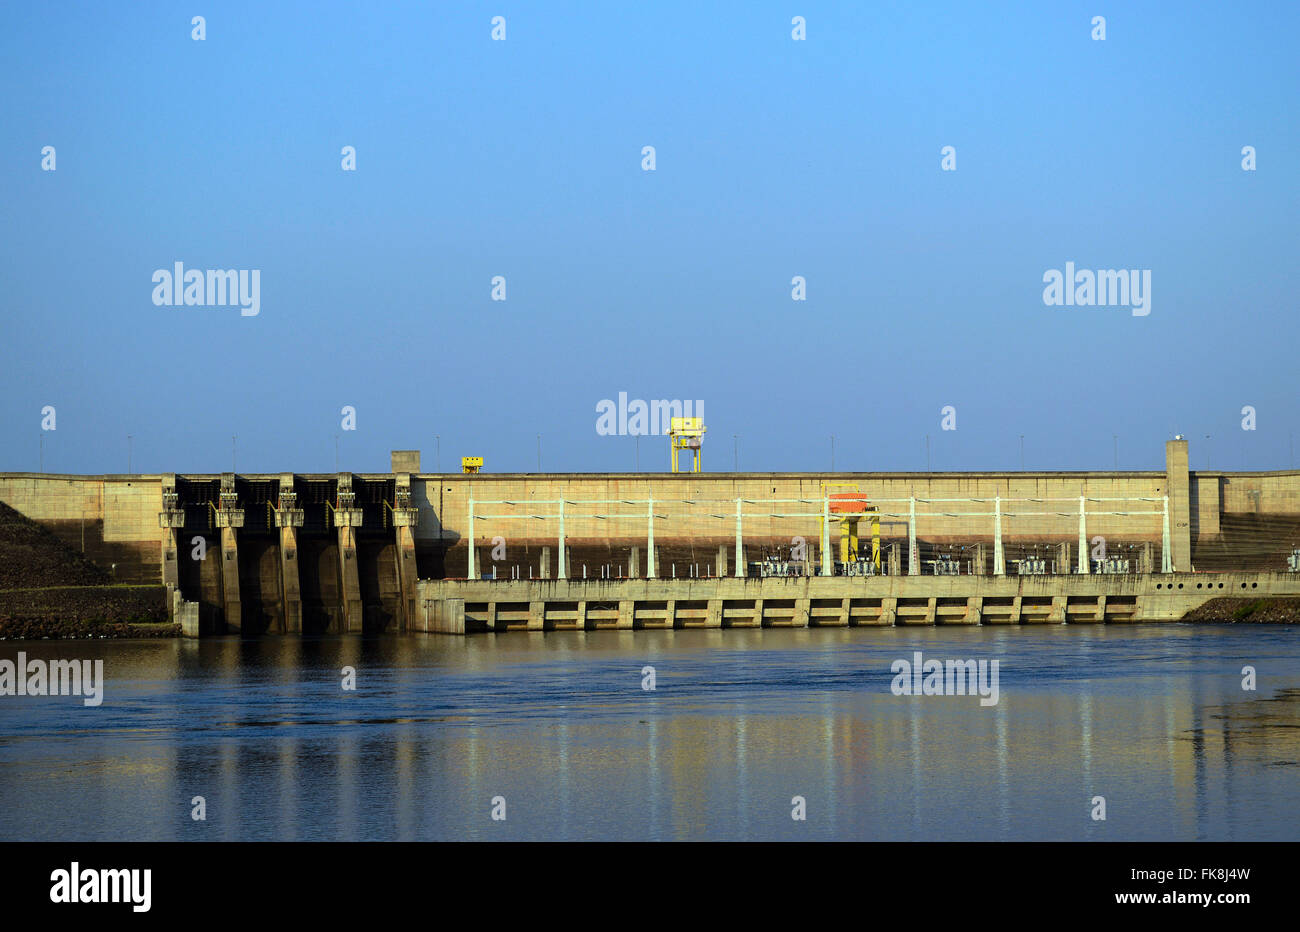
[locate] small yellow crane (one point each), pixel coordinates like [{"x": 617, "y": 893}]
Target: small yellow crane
[{"x": 686, "y": 434}]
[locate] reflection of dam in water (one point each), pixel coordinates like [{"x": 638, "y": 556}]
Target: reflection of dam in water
[
  {"x": 1154, "y": 719},
  {"x": 412, "y": 551}
]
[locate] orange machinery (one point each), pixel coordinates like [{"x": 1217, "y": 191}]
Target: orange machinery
[{"x": 851, "y": 507}]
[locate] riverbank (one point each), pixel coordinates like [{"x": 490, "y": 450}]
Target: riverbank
[
  {"x": 36, "y": 629},
  {"x": 1231, "y": 611},
  {"x": 85, "y": 612},
  {"x": 48, "y": 589}
]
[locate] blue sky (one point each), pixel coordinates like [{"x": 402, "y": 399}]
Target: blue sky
[{"x": 522, "y": 158}]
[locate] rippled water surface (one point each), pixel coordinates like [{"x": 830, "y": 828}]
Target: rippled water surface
[{"x": 1153, "y": 718}]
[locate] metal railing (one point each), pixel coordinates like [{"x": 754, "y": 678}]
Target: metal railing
[{"x": 825, "y": 514}]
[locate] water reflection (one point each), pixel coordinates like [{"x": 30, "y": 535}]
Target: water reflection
[{"x": 1152, "y": 718}]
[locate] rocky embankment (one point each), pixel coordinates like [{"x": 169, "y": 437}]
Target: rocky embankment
[
  {"x": 1236, "y": 611},
  {"x": 50, "y": 590}
]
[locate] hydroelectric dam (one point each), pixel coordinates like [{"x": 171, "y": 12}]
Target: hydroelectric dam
[{"x": 408, "y": 551}]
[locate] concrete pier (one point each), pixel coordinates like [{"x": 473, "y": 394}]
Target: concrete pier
[
  {"x": 288, "y": 519},
  {"x": 722, "y": 602},
  {"x": 347, "y": 518},
  {"x": 229, "y": 518}
]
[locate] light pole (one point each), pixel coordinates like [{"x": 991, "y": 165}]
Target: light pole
[
  {"x": 832, "y": 453},
  {"x": 539, "y": 452},
  {"x": 438, "y": 439},
  {"x": 232, "y": 452},
  {"x": 128, "y": 454},
  {"x": 1022, "y": 452},
  {"x": 927, "y": 452},
  {"x": 735, "y": 444}
]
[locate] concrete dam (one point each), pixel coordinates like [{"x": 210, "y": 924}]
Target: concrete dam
[{"x": 407, "y": 551}]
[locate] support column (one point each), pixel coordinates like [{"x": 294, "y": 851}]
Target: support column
[
  {"x": 406, "y": 576},
  {"x": 230, "y": 517},
  {"x": 1083, "y": 536},
  {"x": 802, "y": 610},
  {"x": 171, "y": 576},
  {"x": 740, "y": 544},
  {"x": 171, "y": 572},
  {"x": 290, "y": 586},
  {"x": 349, "y": 582},
  {"x": 544, "y": 564},
  {"x": 1058, "y": 615},
  {"x": 634, "y": 563},
  {"x": 405, "y": 518},
  {"x": 230, "y": 580},
  {"x": 999, "y": 562},
  {"x": 1178, "y": 512},
  {"x": 888, "y": 611},
  {"x": 913, "y": 556},
  {"x": 650, "y": 539},
  {"x": 471, "y": 561},
  {"x": 560, "y": 561},
  {"x": 722, "y": 561},
  {"x": 171, "y": 519},
  {"x": 347, "y": 518},
  {"x": 1166, "y": 558},
  {"x": 288, "y": 518},
  {"x": 826, "y": 535}
]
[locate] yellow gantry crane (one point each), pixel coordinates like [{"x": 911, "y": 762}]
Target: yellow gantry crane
[
  {"x": 686, "y": 434},
  {"x": 471, "y": 464}
]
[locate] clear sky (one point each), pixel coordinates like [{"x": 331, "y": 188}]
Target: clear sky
[{"x": 522, "y": 158}]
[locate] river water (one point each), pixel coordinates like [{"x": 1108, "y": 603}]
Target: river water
[{"x": 558, "y": 729}]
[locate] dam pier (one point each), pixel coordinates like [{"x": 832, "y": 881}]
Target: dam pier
[{"x": 407, "y": 551}]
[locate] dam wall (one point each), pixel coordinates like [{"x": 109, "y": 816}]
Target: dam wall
[
  {"x": 113, "y": 520},
  {"x": 311, "y": 553}
]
